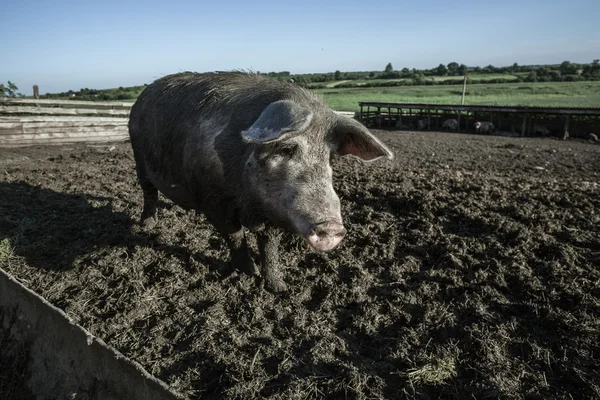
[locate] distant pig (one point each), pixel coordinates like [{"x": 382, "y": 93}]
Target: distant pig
[
  {"x": 484, "y": 127},
  {"x": 247, "y": 151},
  {"x": 422, "y": 124},
  {"x": 450, "y": 124},
  {"x": 540, "y": 130}
]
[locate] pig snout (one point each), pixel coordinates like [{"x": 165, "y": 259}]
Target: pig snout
[{"x": 326, "y": 235}]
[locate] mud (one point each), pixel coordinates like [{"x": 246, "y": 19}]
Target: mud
[{"x": 471, "y": 268}]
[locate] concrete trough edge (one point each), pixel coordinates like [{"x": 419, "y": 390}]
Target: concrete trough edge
[{"x": 67, "y": 361}]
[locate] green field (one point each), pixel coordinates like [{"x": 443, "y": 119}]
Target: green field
[
  {"x": 472, "y": 78},
  {"x": 552, "y": 94}
]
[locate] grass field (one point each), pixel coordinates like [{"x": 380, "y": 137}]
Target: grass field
[
  {"x": 553, "y": 94},
  {"x": 472, "y": 78}
]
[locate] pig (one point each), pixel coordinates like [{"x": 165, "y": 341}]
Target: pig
[
  {"x": 451, "y": 125},
  {"x": 422, "y": 124},
  {"x": 252, "y": 153},
  {"x": 484, "y": 127},
  {"x": 540, "y": 130},
  {"x": 378, "y": 119}
]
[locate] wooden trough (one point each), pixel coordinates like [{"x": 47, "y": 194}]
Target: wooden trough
[
  {"x": 25, "y": 122},
  {"x": 64, "y": 361}
]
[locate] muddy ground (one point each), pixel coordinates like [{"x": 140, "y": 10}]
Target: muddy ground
[{"x": 471, "y": 270}]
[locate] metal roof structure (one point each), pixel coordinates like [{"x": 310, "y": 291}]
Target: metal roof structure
[{"x": 487, "y": 108}]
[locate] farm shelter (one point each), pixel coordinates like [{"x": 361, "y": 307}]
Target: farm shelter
[{"x": 563, "y": 121}]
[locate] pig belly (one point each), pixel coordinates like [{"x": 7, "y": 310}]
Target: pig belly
[{"x": 174, "y": 191}]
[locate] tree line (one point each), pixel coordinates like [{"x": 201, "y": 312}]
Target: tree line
[
  {"x": 566, "y": 71},
  {"x": 563, "y": 72}
]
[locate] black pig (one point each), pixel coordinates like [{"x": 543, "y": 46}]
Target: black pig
[{"x": 247, "y": 151}]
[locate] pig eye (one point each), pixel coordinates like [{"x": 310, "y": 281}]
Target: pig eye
[{"x": 287, "y": 151}]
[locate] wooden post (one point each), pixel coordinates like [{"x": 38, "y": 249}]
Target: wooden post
[
  {"x": 567, "y": 124},
  {"x": 36, "y": 92},
  {"x": 428, "y": 120},
  {"x": 361, "y": 114},
  {"x": 524, "y": 126},
  {"x": 462, "y": 100}
]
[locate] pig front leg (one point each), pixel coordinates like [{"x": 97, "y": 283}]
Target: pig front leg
[
  {"x": 268, "y": 246},
  {"x": 222, "y": 217}
]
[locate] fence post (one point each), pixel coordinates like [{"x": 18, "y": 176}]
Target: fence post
[
  {"x": 36, "y": 92},
  {"x": 567, "y": 123},
  {"x": 462, "y": 100}
]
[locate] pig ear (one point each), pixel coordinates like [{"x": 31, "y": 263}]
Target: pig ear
[
  {"x": 278, "y": 118},
  {"x": 350, "y": 137}
]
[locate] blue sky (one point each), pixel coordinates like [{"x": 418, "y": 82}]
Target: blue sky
[{"x": 62, "y": 45}]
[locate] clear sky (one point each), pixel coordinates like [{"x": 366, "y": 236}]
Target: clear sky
[{"x": 61, "y": 45}]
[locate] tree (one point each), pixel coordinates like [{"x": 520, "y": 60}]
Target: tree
[
  {"x": 515, "y": 67},
  {"x": 452, "y": 68},
  {"x": 462, "y": 69},
  {"x": 10, "y": 90},
  {"x": 388, "y": 68},
  {"x": 566, "y": 68},
  {"x": 338, "y": 75},
  {"x": 532, "y": 77},
  {"x": 441, "y": 70}
]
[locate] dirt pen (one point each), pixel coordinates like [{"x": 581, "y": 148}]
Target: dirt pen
[{"x": 470, "y": 270}]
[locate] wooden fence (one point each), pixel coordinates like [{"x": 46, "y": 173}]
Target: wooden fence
[{"x": 26, "y": 122}]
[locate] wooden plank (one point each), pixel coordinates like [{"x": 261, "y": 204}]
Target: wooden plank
[
  {"x": 42, "y": 137},
  {"x": 76, "y": 124},
  {"x": 41, "y": 125},
  {"x": 10, "y": 125},
  {"x": 47, "y": 118},
  {"x": 16, "y": 100},
  {"x": 11, "y": 131},
  {"x": 77, "y": 129},
  {"x": 63, "y": 133},
  {"x": 57, "y": 141},
  {"x": 68, "y": 111}
]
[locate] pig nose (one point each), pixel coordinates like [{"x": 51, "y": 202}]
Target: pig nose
[{"x": 326, "y": 235}]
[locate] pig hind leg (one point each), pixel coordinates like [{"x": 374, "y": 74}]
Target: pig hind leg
[{"x": 150, "y": 196}]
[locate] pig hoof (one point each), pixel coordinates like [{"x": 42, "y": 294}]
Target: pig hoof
[
  {"x": 276, "y": 285},
  {"x": 148, "y": 223}
]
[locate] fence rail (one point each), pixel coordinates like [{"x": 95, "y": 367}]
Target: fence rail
[{"x": 25, "y": 122}]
